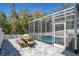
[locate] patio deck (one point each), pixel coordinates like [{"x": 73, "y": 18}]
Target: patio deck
[{"x": 11, "y": 48}]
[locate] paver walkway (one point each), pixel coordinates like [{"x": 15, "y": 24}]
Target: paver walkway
[{"x": 11, "y": 48}]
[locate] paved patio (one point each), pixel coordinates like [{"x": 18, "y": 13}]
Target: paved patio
[{"x": 11, "y": 48}]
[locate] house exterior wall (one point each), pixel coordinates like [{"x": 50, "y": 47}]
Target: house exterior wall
[{"x": 1, "y": 37}]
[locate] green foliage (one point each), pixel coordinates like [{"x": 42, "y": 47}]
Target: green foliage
[
  {"x": 16, "y": 22},
  {"x": 65, "y": 5},
  {"x": 4, "y": 23},
  {"x": 7, "y": 28},
  {"x": 38, "y": 13},
  {"x": 14, "y": 25}
]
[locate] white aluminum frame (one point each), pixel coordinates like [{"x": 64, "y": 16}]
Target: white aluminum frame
[{"x": 65, "y": 11}]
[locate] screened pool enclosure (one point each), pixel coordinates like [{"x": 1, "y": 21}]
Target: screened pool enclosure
[{"x": 62, "y": 27}]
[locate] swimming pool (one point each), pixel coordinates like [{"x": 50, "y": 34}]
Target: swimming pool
[{"x": 46, "y": 38}]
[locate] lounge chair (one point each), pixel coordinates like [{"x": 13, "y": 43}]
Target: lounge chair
[
  {"x": 26, "y": 40},
  {"x": 31, "y": 43},
  {"x": 21, "y": 43}
]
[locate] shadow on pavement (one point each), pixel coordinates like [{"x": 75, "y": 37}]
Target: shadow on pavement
[
  {"x": 69, "y": 53},
  {"x": 8, "y": 49}
]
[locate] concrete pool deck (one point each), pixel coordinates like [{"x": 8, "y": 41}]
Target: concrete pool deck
[{"x": 11, "y": 48}]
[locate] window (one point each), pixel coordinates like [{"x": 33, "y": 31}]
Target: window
[
  {"x": 69, "y": 17},
  {"x": 59, "y": 27},
  {"x": 36, "y": 26},
  {"x": 69, "y": 24},
  {"x": 61, "y": 19},
  {"x": 31, "y": 27},
  {"x": 43, "y": 26},
  {"x": 77, "y": 23},
  {"x": 49, "y": 26},
  {"x": 62, "y": 27},
  {"x": 59, "y": 40},
  {"x": 39, "y": 26}
]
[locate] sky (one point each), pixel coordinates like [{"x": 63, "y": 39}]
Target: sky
[{"x": 30, "y": 6}]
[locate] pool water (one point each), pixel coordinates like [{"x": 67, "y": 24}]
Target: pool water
[{"x": 46, "y": 38}]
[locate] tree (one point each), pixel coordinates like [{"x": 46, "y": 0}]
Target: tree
[
  {"x": 15, "y": 25},
  {"x": 23, "y": 12},
  {"x": 4, "y": 23},
  {"x": 38, "y": 13},
  {"x": 23, "y": 16},
  {"x": 14, "y": 20},
  {"x": 51, "y": 10},
  {"x": 65, "y": 5},
  {"x": 13, "y": 11}
]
